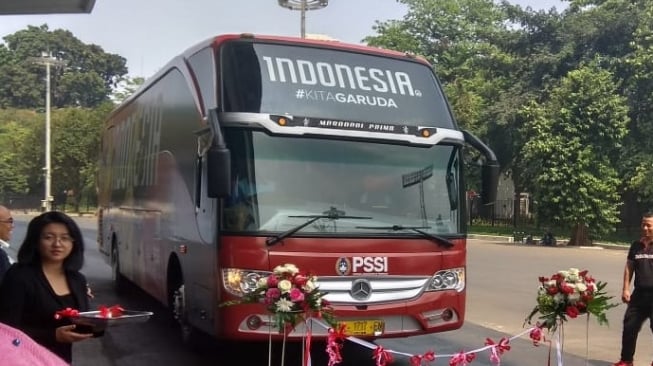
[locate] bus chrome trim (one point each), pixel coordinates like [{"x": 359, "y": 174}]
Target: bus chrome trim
[
  {"x": 242, "y": 119},
  {"x": 341, "y": 290}
]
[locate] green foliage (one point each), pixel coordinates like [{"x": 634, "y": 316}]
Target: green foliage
[
  {"x": 15, "y": 127},
  {"x": 568, "y": 294},
  {"x": 638, "y": 65},
  {"x": 75, "y": 144},
  {"x": 573, "y": 146},
  {"x": 86, "y": 80},
  {"x": 126, "y": 88}
]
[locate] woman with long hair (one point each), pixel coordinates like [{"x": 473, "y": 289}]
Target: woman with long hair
[{"x": 46, "y": 279}]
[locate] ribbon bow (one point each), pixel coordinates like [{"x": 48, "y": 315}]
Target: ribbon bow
[
  {"x": 497, "y": 349},
  {"x": 462, "y": 359},
  {"x": 416, "y": 360},
  {"x": 334, "y": 344},
  {"x": 536, "y": 335},
  {"x": 111, "y": 312},
  {"x": 66, "y": 313},
  {"x": 381, "y": 356}
]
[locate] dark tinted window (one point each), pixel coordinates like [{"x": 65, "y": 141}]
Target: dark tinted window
[
  {"x": 320, "y": 83},
  {"x": 202, "y": 64}
]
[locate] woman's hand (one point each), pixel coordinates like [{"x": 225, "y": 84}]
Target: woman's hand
[
  {"x": 67, "y": 334},
  {"x": 625, "y": 296}
]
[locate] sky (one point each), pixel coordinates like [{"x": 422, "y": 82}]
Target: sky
[{"x": 148, "y": 33}]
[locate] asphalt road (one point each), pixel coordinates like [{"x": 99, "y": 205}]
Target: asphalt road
[{"x": 502, "y": 282}]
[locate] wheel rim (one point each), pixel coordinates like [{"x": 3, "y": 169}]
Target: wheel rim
[{"x": 179, "y": 306}]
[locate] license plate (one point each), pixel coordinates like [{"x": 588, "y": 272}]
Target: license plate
[{"x": 363, "y": 327}]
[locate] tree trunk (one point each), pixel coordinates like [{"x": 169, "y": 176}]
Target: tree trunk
[{"x": 580, "y": 235}]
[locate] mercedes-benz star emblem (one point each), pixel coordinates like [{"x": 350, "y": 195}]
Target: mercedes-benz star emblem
[{"x": 361, "y": 289}]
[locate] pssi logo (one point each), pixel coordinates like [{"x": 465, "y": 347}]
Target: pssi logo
[{"x": 360, "y": 265}]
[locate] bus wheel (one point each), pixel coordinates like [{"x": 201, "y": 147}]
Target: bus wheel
[
  {"x": 117, "y": 278},
  {"x": 187, "y": 331}
]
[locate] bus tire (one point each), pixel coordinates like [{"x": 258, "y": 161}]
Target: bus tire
[
  {"x": 119, "y": 281},
  {"x": 177, "y": 294}
]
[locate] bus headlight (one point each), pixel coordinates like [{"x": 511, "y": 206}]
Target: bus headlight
[
  {"x": 449, "y": 279},
  {"x": 241, "y": 282}
]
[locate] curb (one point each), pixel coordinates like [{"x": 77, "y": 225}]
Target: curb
[{"x": 510, "y": 240}]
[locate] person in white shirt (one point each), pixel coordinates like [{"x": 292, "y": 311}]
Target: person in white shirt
[{"x": 6, "y": 228}]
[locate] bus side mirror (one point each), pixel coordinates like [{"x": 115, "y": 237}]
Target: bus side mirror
[
  {"x": 490, "y": 182},
  {"x": 218, "y": 172}
]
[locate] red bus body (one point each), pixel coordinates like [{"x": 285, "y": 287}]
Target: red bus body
[{"x": 307, "y": 124}]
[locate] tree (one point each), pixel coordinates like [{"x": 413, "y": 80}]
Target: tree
[
  {"x": 76, "y": 149},
  {"x": 13, "y": 131},
  {"x": 87, "y": 80},
  {"x": 639, "y": 65},
  {"x": 126, "y": 87},
  {"x": 461, "y": 39},
  {"x": 573, "y": 147}
]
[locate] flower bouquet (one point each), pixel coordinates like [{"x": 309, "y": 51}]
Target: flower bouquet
[
  {"x": 567, "y": 294},
  {"x": 290, "y": 296}
]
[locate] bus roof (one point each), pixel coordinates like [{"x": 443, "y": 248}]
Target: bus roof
[{"x": 216, "y": 41}]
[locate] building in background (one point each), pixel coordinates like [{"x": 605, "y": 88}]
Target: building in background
[{"x": 24, "y": 7}]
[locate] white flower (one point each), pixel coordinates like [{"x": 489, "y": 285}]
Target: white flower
[
  {"x": 279, "y": 270},
  {"x": 286, "y": 268},
  {"x": 262, "y": 282},
  {"x": 559, "y": 298},
  {"x": 573, "y": 275},
  {"x": 292, "y": 269},
  {"x": 564, "y": 274},
  {"x": 574, "y": 297},
  {"x": 309, "y": 286},
  {"x": 581, "y": 287},
  {"x": 284, "y": 305},
  {"x": 284, "y": 286}
]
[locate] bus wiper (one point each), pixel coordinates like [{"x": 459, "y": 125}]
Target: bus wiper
[
  {"x": 332, "y": 214},
  {"x": 435, "y": 238}
]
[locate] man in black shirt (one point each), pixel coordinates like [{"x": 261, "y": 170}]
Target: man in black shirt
[{"x": 640, "y": 304}]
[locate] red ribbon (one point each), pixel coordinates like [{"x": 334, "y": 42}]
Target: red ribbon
[
  {"x": 307, "y": 344},
  {"x": 416, "y": 360},
  {"x": 462, "y": 359},
  {"x": 536, "y": 335},
  {"x": 497, "y": 349},
  {"x": 105, "y": 312},
  {"x": 66, "y": 313},
  {"x": 334, "y": 344},
  {"x": 381, "y": 356},
  {"x": 111, "y": 312}
]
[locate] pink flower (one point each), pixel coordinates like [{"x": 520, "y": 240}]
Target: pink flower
[
  {"x": 296, "y": 295},
  {"x": 300, "y": 280},
  {"x": 271, "y": 295},
  {"x": 273, "y": 281}
]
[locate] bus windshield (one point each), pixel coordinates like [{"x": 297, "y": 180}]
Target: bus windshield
[
  {"x": 278, "y": 183},
  {"x": 330, "y": 84}
]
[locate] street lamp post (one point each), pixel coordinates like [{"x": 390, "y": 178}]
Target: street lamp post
[
  {"x": 48, "y": 60},
  {"x": 303, "y": 6}
]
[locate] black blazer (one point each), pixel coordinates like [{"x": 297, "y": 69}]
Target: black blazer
[
  {"x": 4, "y": 263},
  {"x": 28, "y": 302}
]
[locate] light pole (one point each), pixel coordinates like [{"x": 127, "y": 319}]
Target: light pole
[
  {"x": 303, "y": 6},
  {"x": 48, "y": 60}
]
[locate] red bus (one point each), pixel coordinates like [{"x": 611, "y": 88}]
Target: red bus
[{"x": 247, "y": 152}]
